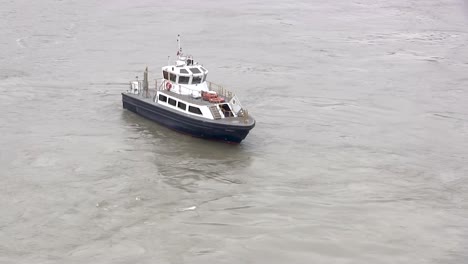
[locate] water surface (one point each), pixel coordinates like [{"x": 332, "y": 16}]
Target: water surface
[{"x": 359, "y": 154}]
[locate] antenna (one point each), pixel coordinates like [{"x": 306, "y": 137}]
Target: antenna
[
  {"x": 179, "y": 51},
  {"x": 168, "y": 59}
]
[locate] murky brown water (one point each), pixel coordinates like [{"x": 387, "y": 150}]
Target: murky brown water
[{"x": 359, "y": 154}]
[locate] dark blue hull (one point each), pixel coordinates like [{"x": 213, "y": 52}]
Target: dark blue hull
[{"x": 197, "y": 127}]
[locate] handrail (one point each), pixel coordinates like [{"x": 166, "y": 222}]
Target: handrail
[
  {"x": 162, "y": 88},
  {"x": 211, "y": 86}
]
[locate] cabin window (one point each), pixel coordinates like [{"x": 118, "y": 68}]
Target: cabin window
[
  {"x": 204, "y": 77},
  {"x": 195, "y": 110},
  {"x": 172, "y": 102},
  {"x": 184, "y": 71},
  {"x": 173, "y": 77},
  {"x": 184, "y": 79},
  {"x": 195, "y": 70},
  {"x": 197, "y": 79},
  {"x": 165, "y": 75},
  {"x": 181, "y": 106},
  {"x": 162, "y": 98},
  {"x": 203, "y": 69}
]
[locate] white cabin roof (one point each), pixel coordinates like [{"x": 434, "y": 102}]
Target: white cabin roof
[{"x": 184, "y": 70}]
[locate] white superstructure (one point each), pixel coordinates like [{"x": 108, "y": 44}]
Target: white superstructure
[{"x": 184, "y": 88}]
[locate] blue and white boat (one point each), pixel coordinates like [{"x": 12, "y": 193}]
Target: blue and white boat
[{"x": 185, "y": 101}]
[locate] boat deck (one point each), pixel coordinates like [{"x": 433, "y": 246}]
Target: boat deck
[
  {"x": 221, "y": 91},
  {"x": 188, "y": 98}
]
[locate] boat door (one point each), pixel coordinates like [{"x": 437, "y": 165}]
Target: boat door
[{"x": 235, "y": 103}]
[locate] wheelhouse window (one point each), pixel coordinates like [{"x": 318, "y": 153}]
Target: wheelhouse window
[
  {"x": 182, "y": 105},
  {"x": 195, "y": 70},
  {"x": 195, "y": 110},
  {"x": 196, "y": 79},
  {"x": 162, "y": 98},
  {"x": 184, "y": 71},
  {"x": 172, "y": 102},
  {"x": 184, "y": 79},
  {"x": 204, "y": 77},
  {"x": 165, "y": 75},
  {"x": 173, "y": 77}
]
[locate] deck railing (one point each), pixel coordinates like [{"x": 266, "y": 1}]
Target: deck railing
[{"x": 220, "y": 90}]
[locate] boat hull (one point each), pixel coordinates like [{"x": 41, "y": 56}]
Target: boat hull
[{"x": 186, "y": 124}]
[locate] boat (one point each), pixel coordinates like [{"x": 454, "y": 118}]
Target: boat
[{"x": 185, "y": 101}]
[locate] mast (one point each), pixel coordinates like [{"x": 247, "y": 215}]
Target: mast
[
  {"x": 145, "y": 81},
  {"x": 179, "y": 51}
]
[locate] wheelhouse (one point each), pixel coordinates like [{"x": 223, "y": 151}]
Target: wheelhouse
[{"x": 185, "y": 74}]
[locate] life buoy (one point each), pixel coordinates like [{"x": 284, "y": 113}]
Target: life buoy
[{"x": 168, "y": 86}]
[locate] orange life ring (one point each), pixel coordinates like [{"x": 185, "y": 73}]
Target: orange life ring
[{"x": 168, "y": 86}]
